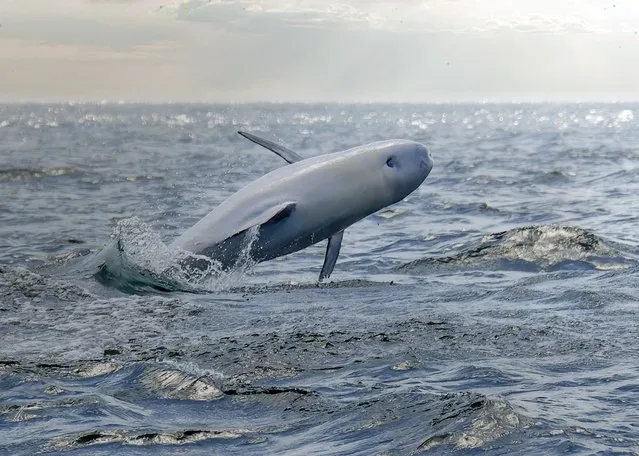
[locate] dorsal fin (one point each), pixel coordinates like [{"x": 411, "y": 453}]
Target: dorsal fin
[{"x": 284, "y": 152}]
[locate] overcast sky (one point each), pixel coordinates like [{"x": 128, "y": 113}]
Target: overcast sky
[{"x": 319, "y": 50}]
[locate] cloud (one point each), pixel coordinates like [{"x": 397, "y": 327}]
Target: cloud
[
  {"x": 457, "y": 16},
  {"x": 76, "y": 49},
  {"x": 47, "y": 8},
  {"x": 312, "y": 50},
  {"x": 122, "y": 25}
]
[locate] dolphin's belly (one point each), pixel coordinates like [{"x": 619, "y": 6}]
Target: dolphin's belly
[
  {"x": 274, "y": 241},
  {"x": 282, "y": 238}
]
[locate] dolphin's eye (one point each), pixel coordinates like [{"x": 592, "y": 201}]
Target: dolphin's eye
[{"x": 390, "y": 162}]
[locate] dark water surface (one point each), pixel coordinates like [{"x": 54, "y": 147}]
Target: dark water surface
[{"x": 493, "y": 311}]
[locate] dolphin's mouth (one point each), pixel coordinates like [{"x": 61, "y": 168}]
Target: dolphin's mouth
[{"x": 425, "y": 164}]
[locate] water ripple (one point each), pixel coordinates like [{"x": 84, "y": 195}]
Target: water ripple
[{"x": 493, "y": 310}]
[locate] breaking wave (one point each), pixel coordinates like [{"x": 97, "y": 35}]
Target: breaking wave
[{"x": 534, "y": 248}]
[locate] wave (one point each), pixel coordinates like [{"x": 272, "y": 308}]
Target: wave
[
  {"x": 147, "y": 438},
  {"x": 131, "y": 402},
  {"x": 466, "y": 421},
  {"x": 22, "y": 174},
  {"x": 137, "y": 261},
  {"x": 533, "y": 248},
  {"x": 30, "y": 174}
]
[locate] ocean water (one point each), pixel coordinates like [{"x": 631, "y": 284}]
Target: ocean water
[{"x": 493, "y": 311}]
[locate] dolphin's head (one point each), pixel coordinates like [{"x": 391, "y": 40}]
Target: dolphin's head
[{"x": 405, "y": 165}]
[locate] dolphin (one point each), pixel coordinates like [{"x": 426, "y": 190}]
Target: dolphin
[{"x": 307, "y": 201}]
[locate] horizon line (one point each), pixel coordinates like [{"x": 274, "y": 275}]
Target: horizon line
[{"x": 514, "y": 100}]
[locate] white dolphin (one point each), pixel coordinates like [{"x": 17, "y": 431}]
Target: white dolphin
[{"x": 308, "y": 201}]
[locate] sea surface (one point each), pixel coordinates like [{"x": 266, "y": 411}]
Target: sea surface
[{"x": 493, "y": 311}]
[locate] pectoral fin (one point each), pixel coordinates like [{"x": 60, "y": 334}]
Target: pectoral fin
[
  {"x": 332, "y": 252},
  {"x": 285, "y": 153},
  {"x": 272, "y": 214}
]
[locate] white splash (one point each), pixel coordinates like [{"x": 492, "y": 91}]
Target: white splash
[
  {"x": 144, "y": 256},
  {"x": 625, "y": 116}
]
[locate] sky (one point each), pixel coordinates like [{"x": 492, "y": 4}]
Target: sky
[{"x": 319, "y": 50}]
